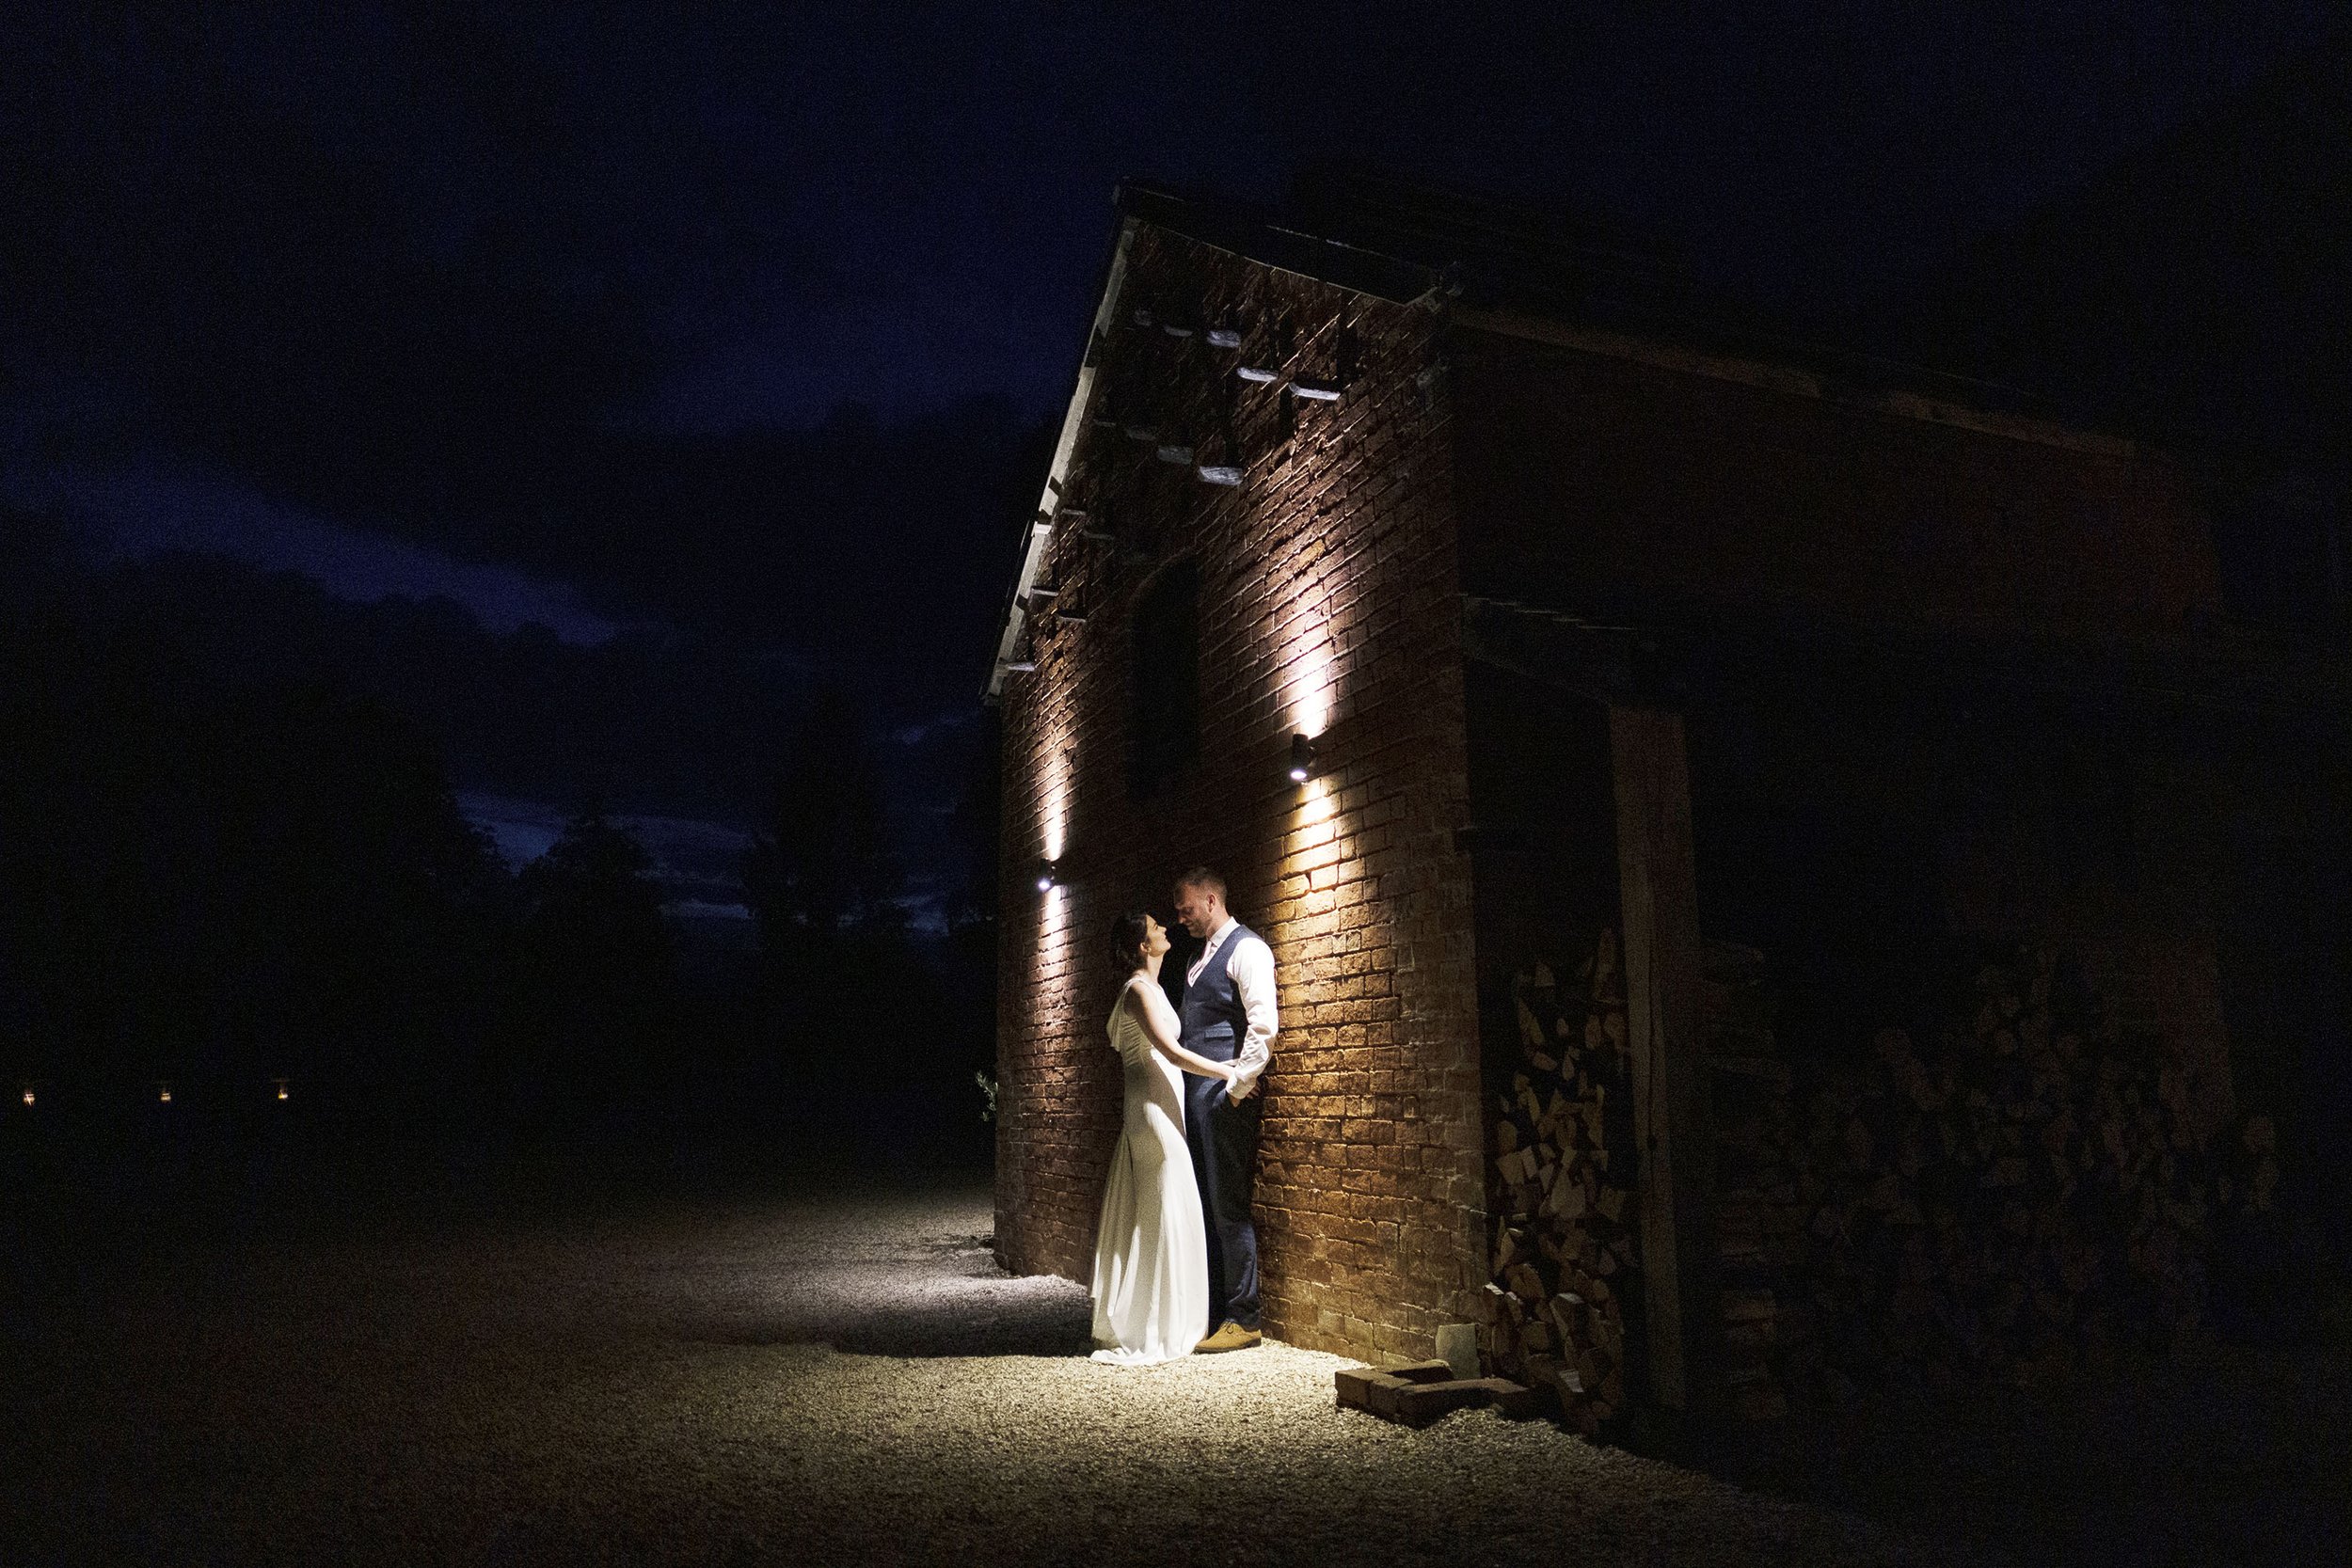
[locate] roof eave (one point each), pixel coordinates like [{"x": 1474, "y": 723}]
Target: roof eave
[{"x": 1041, "y": 529}]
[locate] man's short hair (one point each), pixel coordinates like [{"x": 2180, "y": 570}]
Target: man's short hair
[{"x": 1203, "y": 879}]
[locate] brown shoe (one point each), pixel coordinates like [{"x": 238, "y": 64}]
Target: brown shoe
[{"x": 1228, "y": 1336}]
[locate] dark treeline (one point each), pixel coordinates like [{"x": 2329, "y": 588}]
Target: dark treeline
[
  {"x": 652, "y": 712},
  {"x": 224, "y": 876}
]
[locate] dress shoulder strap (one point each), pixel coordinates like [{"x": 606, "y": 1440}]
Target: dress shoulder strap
[
  {"x": 1131, "y": 990},
  {"x": 1145, "y": 992}
]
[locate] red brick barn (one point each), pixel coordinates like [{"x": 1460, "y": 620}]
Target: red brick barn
[{"x": 1607, "y": 628}]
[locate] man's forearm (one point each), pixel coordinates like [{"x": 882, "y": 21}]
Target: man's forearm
[
  {"x": 1253, "y": 980},
  {"x": 1255, "y": 1055}
]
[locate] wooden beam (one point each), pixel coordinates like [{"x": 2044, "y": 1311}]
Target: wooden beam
[{"x": 1658, "y": 895}]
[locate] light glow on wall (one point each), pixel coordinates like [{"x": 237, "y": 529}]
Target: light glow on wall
[
  {"x": 1310, "y": 848},
  {"x": 1058, "y": 764},
  {"x": 1317, "y": 802},
  {"x": 1055, "y": 802},
  {"x": 1309, "y": 679}
]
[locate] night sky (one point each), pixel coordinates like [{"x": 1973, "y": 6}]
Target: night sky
[{"x": 694, "y": 361}]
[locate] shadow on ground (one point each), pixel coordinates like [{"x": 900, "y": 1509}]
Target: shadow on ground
[{"x": 944, "y": 1297}]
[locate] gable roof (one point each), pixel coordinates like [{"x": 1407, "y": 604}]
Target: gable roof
[{"x": 1504, "y": 269}]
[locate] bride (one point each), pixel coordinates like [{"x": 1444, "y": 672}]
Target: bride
[{"x": 1150, "y": 1251}]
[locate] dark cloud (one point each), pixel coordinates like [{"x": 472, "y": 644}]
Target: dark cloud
[{"x": 136, "y": 513}]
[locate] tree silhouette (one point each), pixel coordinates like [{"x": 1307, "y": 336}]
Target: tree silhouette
[
  {"x": 825, "y": 870},
  {"x": 851, "y": 1009},
  {"x": 220, "y": 881},
  {"x": 597, "y": 1000}
]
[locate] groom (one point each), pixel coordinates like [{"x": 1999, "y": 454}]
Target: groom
[{"x": 1227, "y": 1016}]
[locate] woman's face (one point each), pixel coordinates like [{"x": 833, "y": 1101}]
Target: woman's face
[{"x": 1154, "y": 938}]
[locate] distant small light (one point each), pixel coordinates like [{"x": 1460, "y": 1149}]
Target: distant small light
[
  {"x": 282, "y": 1087},
  {"x": 1302, "y": 760},
  {"x": 1220, "y": 473},
  {"x": 1255, "y": 373},
  {"x": 1022, "y": 666},
  {"x": 1176, "y": 453},
  {"x": 1224, "y": 337},
  {"x": 162, "y": 1096},
  {"x": 28, "y": 1096},
  {"x": 1047, "y": 876},
  {"x": 1320, "y": 392},
  {"x": 1175, "y": 330}
]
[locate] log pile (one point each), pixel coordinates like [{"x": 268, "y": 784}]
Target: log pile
[
  {"x": 1758, "y": 1222},
  {"x": 2025, "y": 1194},
  {"x": 1565, "y": 1263},
  {"x": 2030, "y": 1192}
]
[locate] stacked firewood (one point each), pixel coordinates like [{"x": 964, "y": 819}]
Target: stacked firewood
[
  {"x": 2031, "y": 1191},
  {"x": 2028, "y": 1193},
  {"x": 1759, "y": 1222},
  {"x": 1561, "y": 1189}
]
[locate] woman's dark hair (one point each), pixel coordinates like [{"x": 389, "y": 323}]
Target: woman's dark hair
[{"x": 1128, "y": 933}]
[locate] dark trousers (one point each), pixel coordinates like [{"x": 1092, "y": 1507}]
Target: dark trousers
[{"x": 1224, "y": 1140}]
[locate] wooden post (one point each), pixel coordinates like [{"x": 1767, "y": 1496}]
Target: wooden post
[{"x": 1659, "y": 894}]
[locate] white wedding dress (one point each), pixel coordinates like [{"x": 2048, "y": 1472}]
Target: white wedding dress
[{"x": 1150, "y": 1251}]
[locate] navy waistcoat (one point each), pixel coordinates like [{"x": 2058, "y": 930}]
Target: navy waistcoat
[{"x": 1211, "y": 1015}]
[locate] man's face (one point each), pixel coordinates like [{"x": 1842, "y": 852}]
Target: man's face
[{"x": 1198, "y": 909}]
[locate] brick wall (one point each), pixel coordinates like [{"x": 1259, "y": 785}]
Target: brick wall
[
  {"x": 1593, "y": 474},
  {"x": 1330, "y": 607}
]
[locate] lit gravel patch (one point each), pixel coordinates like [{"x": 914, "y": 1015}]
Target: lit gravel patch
[{"x": 849, "y": 1380}]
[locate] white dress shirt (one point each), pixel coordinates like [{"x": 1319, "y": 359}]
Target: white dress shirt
[{"x": 1252, "y": 970}]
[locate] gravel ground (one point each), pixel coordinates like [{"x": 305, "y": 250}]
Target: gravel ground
[{"x": 837, "y": 1376}]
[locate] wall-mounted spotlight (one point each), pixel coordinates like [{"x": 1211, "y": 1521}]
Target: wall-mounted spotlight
[
  {"x": 1302, "y": 760},
  {"x": 1047, "y": 876}
]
